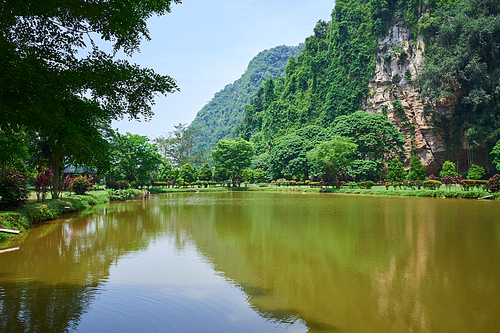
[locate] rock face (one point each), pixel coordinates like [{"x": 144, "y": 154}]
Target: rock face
[{"x": 399, "y": 58}]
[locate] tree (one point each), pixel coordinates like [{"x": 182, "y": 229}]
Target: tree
[
  {"x": 417, "y": 169},
  {"x": 475, "y": 172},
  {"x": 395, "y": 171},
  {"x": 462, "y": 66},
  {"x": 332, "y": 157},
  {"x": 188, "y": 173},
  {"x": 165, "y": 173},
  {"x": 496, "y": 155},
  {"x": 259, "y": 174},
  {"x": 448, "y": 170},
  {"x": 233, "y": 155},
  {"x": 376, "y": 137},
  {"x": 14, "y": 150},
  {"x": 134, "y": 157},
  {"x": 205, "y": 173},
  {"x": 66, "y": 91},
  {"x": 248, "y": 175},
  {"x": 177, "y": 147}
]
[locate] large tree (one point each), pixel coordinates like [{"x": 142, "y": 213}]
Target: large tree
[
  {"x": 51, "y": 69},
  {"x": 134, "y": 157},
  {"x": 333, "y": 156},
  {"x": 232, "y": 156}
]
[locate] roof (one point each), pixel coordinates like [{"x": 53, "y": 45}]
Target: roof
[{"x": 73, "y": 169}]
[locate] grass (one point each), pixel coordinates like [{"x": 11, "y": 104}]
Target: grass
[{"x": 24, "y": 217}]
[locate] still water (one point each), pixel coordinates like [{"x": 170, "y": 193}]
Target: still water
[{"x": 258, "y": 262}]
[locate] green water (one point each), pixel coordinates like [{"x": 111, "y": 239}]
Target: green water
[{"x": 258, "y": 262}]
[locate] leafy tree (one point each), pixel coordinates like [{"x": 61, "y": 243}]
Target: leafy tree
[
  {"x": 134, "y": 157},
  {"x": 448, "y": 170},
  {"x": 205, "y": 173},
  {"x": 417, "y": 169},
  {"x": 395, "y": 171},
  {"x": 166, "y": 173},
  {"x": 177, "y": 147},
  {"x": 188, "y": 173},
  {"x": 259, "y": 174},
  {"x": 66, "y": 92},
  {"x": 248, "y": 175},
  {"x": 375, "y": 136},
  {"x": 288, "y": 157},
  {"x": 475, "y": 172},
  {"x": 233, "y": 155},
  {"x": 496, "y": 155},
  {"x": 221, "y": 174},
  {"x": 14, "y": 150},
  {"x": 332, "y": 157},
  {"x": 462, "y": 65}
]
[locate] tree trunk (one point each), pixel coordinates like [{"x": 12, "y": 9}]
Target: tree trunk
[{"x": 57, "y": 167}]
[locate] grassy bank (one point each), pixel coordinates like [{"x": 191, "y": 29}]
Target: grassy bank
[
  {"x": 25, "y": 217},
  {"x": 443, "y": 192}
]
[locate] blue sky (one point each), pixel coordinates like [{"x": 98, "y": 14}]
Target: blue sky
[{"x": 205, "y": 45}]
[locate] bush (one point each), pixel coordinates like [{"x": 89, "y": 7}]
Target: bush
[
  {"x": 80, "y": 185},
  {"x": 475, "y": 172},
  {"x": 432, "y": 184},
  {"x": 263, "y": 185},
  {"x": 117, "y": 185},
  {"x": 366, "y": 184},
  {"x": 13, "y": 188},
  {"x": 494, "y": 183}
]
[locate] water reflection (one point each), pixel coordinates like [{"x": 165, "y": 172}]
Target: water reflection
[{"x": 316, "y": 263}]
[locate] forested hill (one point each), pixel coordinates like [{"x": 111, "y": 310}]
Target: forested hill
[{"x": 219, "y": 117}]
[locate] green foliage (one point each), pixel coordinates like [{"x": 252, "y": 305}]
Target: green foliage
[
  {"x": 248, "y": 174},
  {"x": 219, "y": 118},
  {"x": 475, "y": 172},
  {"x": 13, "y": 188},
  {"x": 376, "y": 138},
  {"x": 188, "y": 173},
  {"x": 80, "y": 185},
  {"x": 177, "y": 146},
  {"x": 205, "y": 173},
  {"x": 333, "y": 156},
  {"x": 14, "y": 149},
  {"x": 111, "y": 184},
  {"x": 134, "y": 157},
  {"x": 395, "y": 171},
  {"x": 166, "y": 172},
  {"x": 417, "y": 169},
  {"x": 233, "y": 155},
  {"x": 432, "y": 184},
  {"x": 448, "y": 170},
  {"x": 462, "y": 64},
  {"x": 496, "y": 155},
  {"x": 259, "y": 174}
]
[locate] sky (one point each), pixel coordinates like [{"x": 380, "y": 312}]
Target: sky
[{"x": 205, "y": 45}]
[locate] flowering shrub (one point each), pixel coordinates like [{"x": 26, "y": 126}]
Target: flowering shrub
[
  {"x": 80, "y": 185},
  {"x": 448, "y": 180},
  {"x": 387, "y": 185},
  {"x": 13, "y": 188},
  {"x": 42, "y": 182}
]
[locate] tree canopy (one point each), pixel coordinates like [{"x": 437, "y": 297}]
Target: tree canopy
[{"x": 231, "y": 157}]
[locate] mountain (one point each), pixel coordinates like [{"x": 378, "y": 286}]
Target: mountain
[
  {"x": 432, "y": 68},
  {"x": 221, "y": 115}
]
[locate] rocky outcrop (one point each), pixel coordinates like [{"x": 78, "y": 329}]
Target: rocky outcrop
[{"x": 399, "y": 58}]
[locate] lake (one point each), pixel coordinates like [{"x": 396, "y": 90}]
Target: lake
[{"x": 258, "y": 262}]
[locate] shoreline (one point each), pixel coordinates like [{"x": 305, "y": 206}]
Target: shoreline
[{"x": 25, "y": 217}]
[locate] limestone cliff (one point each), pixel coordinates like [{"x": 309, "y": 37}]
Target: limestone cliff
[{"x": 399, "y": 58}]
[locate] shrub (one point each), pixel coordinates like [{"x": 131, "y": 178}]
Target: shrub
[
  {"x": 44, "y": 180},
  {"x": 352, "y": 184},
  {"x": 448, "y": 169},
  {"x": 431, "y": 184},
  {"x": 13, "y": 188},
  {"x": 387, "y": 185},
  {"x": 494, "y": 183},
  {"x": 263, "y": 185},
  {"x": 117, "y": 185},
  {"x": 366, "y": 184},
  {"x": 312, "y": 184},
  {"x": 80, "y": 185},
  {"x": 475, "y": 172}
]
